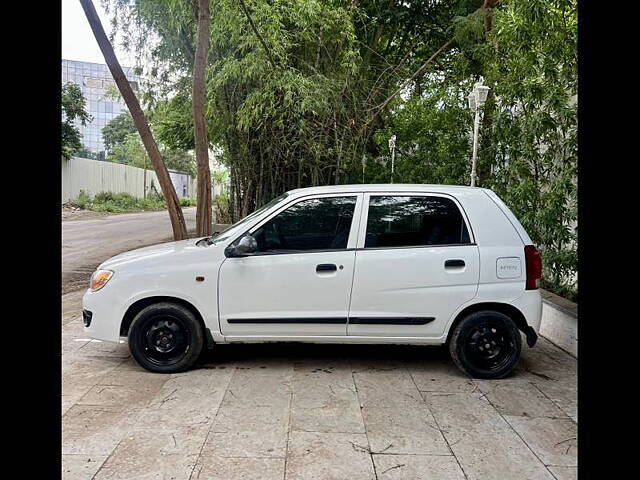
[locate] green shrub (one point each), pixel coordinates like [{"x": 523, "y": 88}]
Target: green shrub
[
  {"x": 222, "y": 208},
  {"x": 117, "y": 202},
  {"x": 83, "y": 201},
  {"x": 187, "y": 202}
]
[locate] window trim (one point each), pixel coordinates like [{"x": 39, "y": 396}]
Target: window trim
[
  {"x": 353, "y": 231},
  {"x": 362, "y": 234}
]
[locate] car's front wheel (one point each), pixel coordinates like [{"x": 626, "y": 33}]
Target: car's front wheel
[
  {"x": 486, "y": 344},
  {"x": 165, "y": 337}
]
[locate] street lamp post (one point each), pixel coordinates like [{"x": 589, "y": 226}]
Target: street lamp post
[
  {"x": 476, "y": 98},
  {"x": 392, "y": 147},
  {"x": 364, "y": 164}
]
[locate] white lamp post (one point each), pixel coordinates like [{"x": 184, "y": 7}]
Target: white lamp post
[
  {"x": 364, "y": 164},
  {"x": 476, "y": 98},
  {"x": 392, "y": 147}
]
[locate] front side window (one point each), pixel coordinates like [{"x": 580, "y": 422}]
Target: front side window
[
  {"x": 233, "y": 229},
  {"x": 314, "y": 224},
  {"x": 405, "y": 221}
]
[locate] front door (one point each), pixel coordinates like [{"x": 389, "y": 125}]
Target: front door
[
  {"x": 299, "y": 281},
  {"x": 416, "y": 263}
]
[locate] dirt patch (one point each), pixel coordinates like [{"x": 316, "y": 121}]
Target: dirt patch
[{"x": 71, "y": 213}]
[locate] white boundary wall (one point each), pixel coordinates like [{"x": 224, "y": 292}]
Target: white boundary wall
[
  {"x": 560, "y": 322},
  {"x": 94, "y": 176}
]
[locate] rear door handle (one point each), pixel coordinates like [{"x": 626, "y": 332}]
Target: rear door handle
[
  {"x": 454, "y": 263},
  {"x": 326, "y": 267}
]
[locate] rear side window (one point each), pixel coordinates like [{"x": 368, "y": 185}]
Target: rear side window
[
  {"x": 314, "y": 224},
  {"x": 405, "y": 221}
]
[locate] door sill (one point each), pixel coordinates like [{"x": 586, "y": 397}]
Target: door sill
[{"x": 334, "y": 339}]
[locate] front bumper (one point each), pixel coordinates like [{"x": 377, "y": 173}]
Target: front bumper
[
  {"x": 105, "y": 316},
  {"x": 87, "y": 315}
]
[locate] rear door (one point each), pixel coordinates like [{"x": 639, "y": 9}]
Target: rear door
[{"x": 416, "y": 264}]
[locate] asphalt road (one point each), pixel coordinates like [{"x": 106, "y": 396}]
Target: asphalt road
[{"x": 87, "y": 242}]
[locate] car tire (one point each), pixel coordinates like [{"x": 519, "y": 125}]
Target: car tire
[
  {"x": 166, "y": 338},
  {"x": 486, "y": 344}
]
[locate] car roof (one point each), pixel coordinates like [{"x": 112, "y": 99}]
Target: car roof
[{"x": 385, "y": 187}]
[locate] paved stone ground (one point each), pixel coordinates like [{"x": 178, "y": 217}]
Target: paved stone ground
[{"x": 313, "y": 412}]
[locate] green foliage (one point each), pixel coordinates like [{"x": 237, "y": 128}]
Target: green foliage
[
  {"x": 131, "y": 151},
  {"x": 116, "y": 131},
  {"x": 187, "y": 202},
  {"x": 172, "y": 121},
  {"x": 116, "y": 202},
  {"x": 222, "y": 209},
  {"x": 534, "y": 146},
  {"x": 220, "y": 176},
  {"x": 84, "y": 152},
  {"x": 73, "y": 110},
  {"x": 83, "y": 200},
  {"x": 180, "y": 160},
  {"x": 430, "y": 145}
]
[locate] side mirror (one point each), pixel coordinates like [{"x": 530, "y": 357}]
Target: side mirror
[{"x": 246, "y": 246}]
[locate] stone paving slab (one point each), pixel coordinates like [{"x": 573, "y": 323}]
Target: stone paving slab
[
  {"x": 239, "y": 468},
  {"x": 553, "y": 440},
  {"x": 332, "y": 456},
  {"x": 417, "y": 467},
  {"x": 483, "y": 442},
  {"x": 81, "y": 467},
  {"x": 404, "y": 430},
  {"x": 287, "y": 412},
  {"x": 151, "y": 454}
]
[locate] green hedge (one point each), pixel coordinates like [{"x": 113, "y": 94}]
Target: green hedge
[{"x": 122, "y": 202}]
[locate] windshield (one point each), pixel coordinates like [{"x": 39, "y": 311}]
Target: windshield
[{"x": 236, "y": 226}]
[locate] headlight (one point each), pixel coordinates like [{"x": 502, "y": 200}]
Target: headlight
[{"x": 99, "y": 279}]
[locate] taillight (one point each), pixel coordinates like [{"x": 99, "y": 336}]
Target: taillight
[{"x": 534, "y": 266}]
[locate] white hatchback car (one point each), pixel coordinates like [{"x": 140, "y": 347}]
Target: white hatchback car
[{"x": 410, "y": 264}]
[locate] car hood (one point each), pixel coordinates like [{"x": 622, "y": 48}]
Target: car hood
[{"x": 155, "y": 252}]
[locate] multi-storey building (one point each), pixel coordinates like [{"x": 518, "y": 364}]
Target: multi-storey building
[{"x": 95, "y": 79}]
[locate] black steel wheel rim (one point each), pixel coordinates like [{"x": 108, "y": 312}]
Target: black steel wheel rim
[
  {"x": 164, "y": 339},
  {"x": 490, "y": 346}
]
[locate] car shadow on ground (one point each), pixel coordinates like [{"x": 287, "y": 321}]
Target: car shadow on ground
[{"x": 287, "y": 352}]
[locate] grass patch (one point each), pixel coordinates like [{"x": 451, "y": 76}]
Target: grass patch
[{"x": 122, "y": 202}]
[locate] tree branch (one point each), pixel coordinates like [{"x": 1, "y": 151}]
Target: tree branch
[
  {"x": 255, "y": 30},
  {"x": 422, "y": 68}
]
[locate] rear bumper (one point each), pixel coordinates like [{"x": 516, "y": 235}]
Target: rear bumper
[
  {"x": 530, "y": 304},
  {"x": 532, "y": 336}
]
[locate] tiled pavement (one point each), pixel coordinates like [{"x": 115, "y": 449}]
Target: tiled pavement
[{"x": 313, "y": 412}]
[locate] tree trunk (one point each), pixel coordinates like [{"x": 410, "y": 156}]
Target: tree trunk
[
  {"x": 140, "y": 121},
  {"x": 203, "y": 212}
]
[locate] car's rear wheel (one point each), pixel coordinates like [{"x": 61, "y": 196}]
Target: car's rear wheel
[
  {"x": 486, "y": 344},
  {"x": 165, "y": 337}
]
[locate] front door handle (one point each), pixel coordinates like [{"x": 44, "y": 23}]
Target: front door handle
[
  {"x": 454, "y": 263},
  {"x": 326, "y": 267}
]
